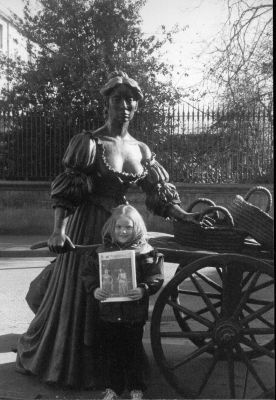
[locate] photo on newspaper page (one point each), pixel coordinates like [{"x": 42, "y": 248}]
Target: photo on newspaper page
[{"x": 117, "y": 274}]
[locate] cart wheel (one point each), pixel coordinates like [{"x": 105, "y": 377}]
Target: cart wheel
[
  {"x": 226, "y": 303},
  {"x": 184, "y": 321}
]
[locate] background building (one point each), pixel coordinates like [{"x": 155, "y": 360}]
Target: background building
[{"x": 12, "y": 43}]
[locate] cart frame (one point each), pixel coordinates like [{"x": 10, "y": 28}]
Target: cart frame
[{"x": 230, "y": 317}]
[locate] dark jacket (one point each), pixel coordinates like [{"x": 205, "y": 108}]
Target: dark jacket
[{"x": 149, "y": 275}]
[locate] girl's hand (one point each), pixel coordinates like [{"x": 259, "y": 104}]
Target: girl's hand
[
  {"x": 100, "y": 294},
  {"x": 136, "y": 294}
]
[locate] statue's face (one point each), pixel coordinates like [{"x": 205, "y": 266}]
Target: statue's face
[{"x": 121, "y": 104}]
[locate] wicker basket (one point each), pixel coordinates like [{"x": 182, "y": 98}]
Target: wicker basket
[
  {"x": 202, "y": 200},
  {"x": 248, "y": 217},
  {"x": 220, "y": 238},
  {"x": 207, "y": 202}
]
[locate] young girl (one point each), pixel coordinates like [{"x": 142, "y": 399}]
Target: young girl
[{"x": 121, "y": 323}]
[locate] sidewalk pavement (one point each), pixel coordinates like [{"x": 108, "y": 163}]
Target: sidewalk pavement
[
  {"x": 14, "y": 386},
  {"x": 19, "y": 246}
]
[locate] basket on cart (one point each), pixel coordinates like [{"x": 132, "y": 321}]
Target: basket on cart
[
  {"x": 207, "y": 202},
  {"x": 220, "y": 237},
  {"x": 252, "y": 219}
]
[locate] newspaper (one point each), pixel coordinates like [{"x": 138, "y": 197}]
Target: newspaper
[{"x": 117, "y": 274}]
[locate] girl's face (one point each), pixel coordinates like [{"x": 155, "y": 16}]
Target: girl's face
[{"x": 124, "y": 229}]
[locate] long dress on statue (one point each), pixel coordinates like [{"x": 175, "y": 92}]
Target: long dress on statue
[{"x": 61, "y": 344}]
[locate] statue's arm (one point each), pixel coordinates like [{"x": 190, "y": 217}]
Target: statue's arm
[
  {"x": 57, "y": 239},
  {"x": 162, "y": 197},
  {"x": 71, "y": 187},
  {"x": 177, "y": 212}
]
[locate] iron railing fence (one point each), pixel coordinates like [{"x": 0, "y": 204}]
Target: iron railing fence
[{"x": 195, "y": 145}]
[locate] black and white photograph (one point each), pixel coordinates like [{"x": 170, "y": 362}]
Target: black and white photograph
[{"x": 142, "y": 127}]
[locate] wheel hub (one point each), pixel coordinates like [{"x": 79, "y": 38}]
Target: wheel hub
[{"x": 226, "y": 334}]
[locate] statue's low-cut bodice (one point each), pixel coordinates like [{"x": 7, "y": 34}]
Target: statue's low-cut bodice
[
  {"x": 91, "y": 174},
  {"x": 109, "y": 182}
]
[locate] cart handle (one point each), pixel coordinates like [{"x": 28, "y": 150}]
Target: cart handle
[{"x": 76, "y": 248}]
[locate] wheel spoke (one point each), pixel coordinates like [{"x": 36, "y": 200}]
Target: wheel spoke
[
  {"x": 250, "y": 367},
  {"x": 209, "y": 372},
  {"x": 231, "y": 374},
  {"x": 205, "y": 298},
  {"x": 262, "y": 286},
  {"x": 194, "y": 354},
  {"x": 255, "y": 314},
  {"x": 192, "y": 314},
  {"x": 245, "y": 384},
  {"x": 210, "y": 282},
  {"x": 257, "y": 331},
  {"x": 246, "y": 294},
  {"x": 247, "y": 326},
  {"x": 247, "y": 278},
  {"x": 254, "y": 345},
  {"x": 188, "y": 335},
  {"x": 193, "y": 293},
  {"x": 260, "y": 318},
  {"x": 258, "y": 302},
  {"x": 203, "y": 310}
]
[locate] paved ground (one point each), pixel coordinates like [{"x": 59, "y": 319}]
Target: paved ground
[{"x": 15, "y": 275}]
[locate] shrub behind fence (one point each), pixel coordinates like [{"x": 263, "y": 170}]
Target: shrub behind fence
[{"x": 194, "y": 145}]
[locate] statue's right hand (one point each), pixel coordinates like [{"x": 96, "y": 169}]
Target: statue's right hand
[{"x": 60, "y": 243}]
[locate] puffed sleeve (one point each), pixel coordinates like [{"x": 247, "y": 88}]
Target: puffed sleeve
[
  {"x": 72, "y": 186},
  {"x": 160, "y": 194}
]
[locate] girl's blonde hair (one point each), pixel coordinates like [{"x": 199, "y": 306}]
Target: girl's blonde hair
[{"x": 139, "y": 230}]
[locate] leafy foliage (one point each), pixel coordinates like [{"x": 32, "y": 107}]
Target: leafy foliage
[{"x": 79, "y": 43}]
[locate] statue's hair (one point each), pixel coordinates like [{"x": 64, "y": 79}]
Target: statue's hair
[
  {"x": 116, "y": 73},
  {"x": 140, "y": 230},
  {"x": 117, "y": 78}
]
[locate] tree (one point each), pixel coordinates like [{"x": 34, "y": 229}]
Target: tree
[
  {"x": 243, "y": 64},
  {"x": 80, "y": 42},
  {"x": 242, "y": 69},
  {"x": 75, "y": 44}
]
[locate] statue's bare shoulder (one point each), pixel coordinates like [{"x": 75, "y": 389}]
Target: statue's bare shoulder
[
  {"x": 145, "y": 151},
  {"x": 101, "y": 131}
]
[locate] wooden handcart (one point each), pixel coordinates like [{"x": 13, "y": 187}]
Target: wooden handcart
[
  {"x": 214, "y": 321},
  {"x": 212, "y": 326}
]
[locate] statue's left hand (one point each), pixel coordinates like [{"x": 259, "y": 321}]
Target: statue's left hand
[{"x": 178, "y": 213}]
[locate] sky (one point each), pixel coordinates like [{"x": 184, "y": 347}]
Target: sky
[{"x": 203, "y": 20}]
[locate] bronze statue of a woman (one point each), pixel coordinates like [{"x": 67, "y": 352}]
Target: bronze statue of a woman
[{"x": 61, "y": 344}]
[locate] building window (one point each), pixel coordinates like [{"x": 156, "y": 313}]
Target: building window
[{"x": 1, "y": 36}]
